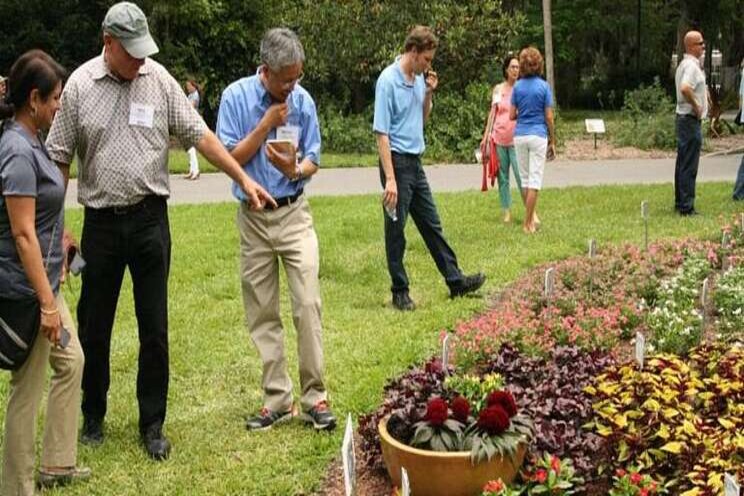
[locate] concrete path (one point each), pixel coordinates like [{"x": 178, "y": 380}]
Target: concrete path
[{"x": 213, "y": 188}]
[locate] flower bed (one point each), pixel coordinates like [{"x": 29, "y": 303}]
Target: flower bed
[{"x": 676, "y": 426}]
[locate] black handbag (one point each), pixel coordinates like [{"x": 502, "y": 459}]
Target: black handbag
[
  {"x": 19, "y": 325},
  {"x": 20, "y": 321}
]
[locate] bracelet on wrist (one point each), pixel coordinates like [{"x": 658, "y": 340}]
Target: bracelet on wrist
[{"x": 49, "y": 312}]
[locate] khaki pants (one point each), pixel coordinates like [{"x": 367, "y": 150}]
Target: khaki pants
[
  {"x": 285, "y": 234},
  {"x": 63, "y": 406}
]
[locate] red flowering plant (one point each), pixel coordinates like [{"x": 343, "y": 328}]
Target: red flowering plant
[
  {"x": 499, "y": 488},
  {"x": 552, "y": 475},
  {"x": 437, "y": 431},
  {"x": 498, "y": 429},
  {"x": 632, "y": 483}
]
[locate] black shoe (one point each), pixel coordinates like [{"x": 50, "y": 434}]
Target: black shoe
[
  {"x": 266, "y": 418},
  {"x": 689, "y": 213},
  {"x": 402, "y": 301},
  {"x": 468, "y": 284},
  {"x": 92, "y": 434},
  {"x": 156, "y": 444},
  {"x": 320, "y": 416}
]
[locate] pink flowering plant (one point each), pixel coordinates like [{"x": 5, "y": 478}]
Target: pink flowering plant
[
  {"x": 633, "y": 483},
  {"x": 499, "y": 488}
]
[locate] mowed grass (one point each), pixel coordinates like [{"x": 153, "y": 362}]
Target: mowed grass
[{"x": 215, "y": 372}]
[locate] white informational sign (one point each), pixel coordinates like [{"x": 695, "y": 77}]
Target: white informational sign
[
  {"x": 596, "y": 126},
  {"x": 405, "y": 483},
  {"x": 644, "y": 209},
  {"x": 348, "y": 457},
  {"x": 704, "y": 293},
  {"x": 549, "y": 282},
  {"x": 640, "y": 349},
  {"x": 730, "y": 486},
  {"x": 592, "y": 248},
  {"x": 445, "y": 353}
]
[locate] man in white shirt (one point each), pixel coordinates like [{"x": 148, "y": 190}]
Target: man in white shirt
[{"x": 692, "y": 107}]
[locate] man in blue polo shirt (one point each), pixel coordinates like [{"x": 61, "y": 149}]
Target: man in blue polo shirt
[
  {"x": 403, "y": 101},
  {"x": 271, "y": 106}
]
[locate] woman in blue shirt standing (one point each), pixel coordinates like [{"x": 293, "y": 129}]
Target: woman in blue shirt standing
[{"x": 534, "y": 135}]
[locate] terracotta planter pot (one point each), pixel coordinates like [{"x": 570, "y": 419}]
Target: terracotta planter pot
[{"x": 435, "y": 473}]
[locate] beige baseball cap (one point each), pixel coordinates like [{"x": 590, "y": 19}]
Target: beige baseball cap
[{"x": 127, "y": 23}]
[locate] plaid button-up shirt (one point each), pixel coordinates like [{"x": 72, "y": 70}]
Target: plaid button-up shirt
[{"x": 123, "y": 156}]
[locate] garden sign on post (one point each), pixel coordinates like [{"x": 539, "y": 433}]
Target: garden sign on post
[{"x": 348, "y": 457}]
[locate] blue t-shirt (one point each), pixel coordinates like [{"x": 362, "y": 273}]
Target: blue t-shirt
[
  {"x": 27, "y": 170},
  {"x": 531, "y": 96},
  {"x": 242, "y": 107},
  {"x": 399, "y": 109}
]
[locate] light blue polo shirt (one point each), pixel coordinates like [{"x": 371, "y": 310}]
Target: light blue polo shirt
[
  {"x": 399, "y": 109},
  {"x": 243, "y": 105},
  {"x": 531, "y": 96}
]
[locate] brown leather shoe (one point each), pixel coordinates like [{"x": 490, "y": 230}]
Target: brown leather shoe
[{"x": 49, "y": 478}]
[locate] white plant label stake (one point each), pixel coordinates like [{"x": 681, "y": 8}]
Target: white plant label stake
[
  {"x": 741, "y": 222},
  {"x": 405, "y": 484},
  {"x": 644, "y": 215},
  {"x": 549, "y": 282},
  {"x": 725, "y": 239},
  {"x": 730, "y": 486},
  {"x": 640, "y": 349},
  {"x": 445, "y": 353},
  {"x": 592, "y": 248},
  {"x": 703, "y": 302},
  {"x": 348, "y": 458},
  {"x": 592, "y": 255}
]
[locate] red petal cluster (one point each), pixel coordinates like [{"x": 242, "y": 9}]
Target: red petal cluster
[
  {"x": 505, "y": 400},
  {"x": 436, "y": 412},
  {"x": 493, "y": 420},
  {"x": 460, "y": 409}
]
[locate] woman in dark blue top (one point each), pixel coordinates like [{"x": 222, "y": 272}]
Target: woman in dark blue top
[
  {"x": 31, "y": 266},
  {"x": 534, "y": 135}
]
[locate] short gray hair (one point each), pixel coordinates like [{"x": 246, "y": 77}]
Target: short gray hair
[{"x": 280, "y": 48}]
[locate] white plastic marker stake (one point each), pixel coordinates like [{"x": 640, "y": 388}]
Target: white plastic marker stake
[
  {"x": 405, "y": 483},
  {"x": 703, "y": 303},
  {"x": 725, "y": 239},
  {"x": 741, "y": 222},
  {"x": 549, "y": 282},
  {"x": 445, "y": 353},
  {"x": 640, "y": 349},
  {"x": 730, "y": 486},
  {"x": 644, "y": 215},
  {"x": 592, "y": 254},
  {"x": 348, "y": 457},
  {"x": 592, "y": 248}
]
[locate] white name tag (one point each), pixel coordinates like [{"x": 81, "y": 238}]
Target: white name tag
[
  {"x": 141, "y": 115},
  {"x": 290, "y": 133}
]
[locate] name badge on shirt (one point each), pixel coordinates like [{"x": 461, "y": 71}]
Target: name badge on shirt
[
  {"x": 291, "y": 133},
  {"x": 496, "y": 97},
  {"x": 141, "y": 115}
]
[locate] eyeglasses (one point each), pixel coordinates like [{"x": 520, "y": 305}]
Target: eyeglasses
[{"x": 700, "y": 42}]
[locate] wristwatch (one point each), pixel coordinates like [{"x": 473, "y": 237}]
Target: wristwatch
[{"x": 298, "y": 173}]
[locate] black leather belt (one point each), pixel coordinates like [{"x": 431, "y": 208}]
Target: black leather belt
[
  {"x": 128, "y": 209},
  {"x": 284, "y": 201}
]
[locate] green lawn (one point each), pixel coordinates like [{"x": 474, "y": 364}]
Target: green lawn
[{"x": 215, "y": 374}]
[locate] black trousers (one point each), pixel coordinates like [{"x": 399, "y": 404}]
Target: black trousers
[
  {"x": 137, "y": 238},
  {"x": 689, "y": 142},
  {"x": 414, "y": 198}
]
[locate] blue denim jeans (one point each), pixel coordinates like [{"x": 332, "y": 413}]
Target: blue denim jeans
[
  {"x": 689, "y": 142},
  {"x": 414, "y": 198},
  {"x": 739, "y": 186}
]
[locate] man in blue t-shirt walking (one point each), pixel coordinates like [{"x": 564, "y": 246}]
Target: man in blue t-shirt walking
[{"x": 403, "y": 101}]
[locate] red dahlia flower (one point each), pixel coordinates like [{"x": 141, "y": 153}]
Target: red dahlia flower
[
  {"x": 460, "y": 409},
  {"x": 505, "y": 400},
  {"x": 436, "y": 412},
  {"x": 636, "y": 478},
  {"x": 541, "y": 475},
  {"x": 493, "y": 420}
]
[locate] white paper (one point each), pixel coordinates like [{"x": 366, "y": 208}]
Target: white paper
[
  {"x": 640, "y": 349},
  {"x": 595, "y": 126},
  {"x": 549, "y": 282},
  {"x": 730, "y": 486},
  {"x": 445, "y": 353},
  {"x": 405, "y": 483},
  {"x": 348, "y": 457},
  {"x": 141, "y": 115},
  {"x": 290, "y": 133}
]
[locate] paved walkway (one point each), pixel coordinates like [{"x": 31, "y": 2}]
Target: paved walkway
[{"x": 213, "y": 188}]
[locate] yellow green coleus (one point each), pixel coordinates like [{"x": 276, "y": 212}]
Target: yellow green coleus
[{"x": 678, "y": 420}]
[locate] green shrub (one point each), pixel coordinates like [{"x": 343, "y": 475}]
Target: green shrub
[
  {"x": 647, "y": 119},
  {"x": 346, "y": 133}
]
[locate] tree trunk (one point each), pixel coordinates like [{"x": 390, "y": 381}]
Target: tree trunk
[{"x": 548, "y": 26}]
